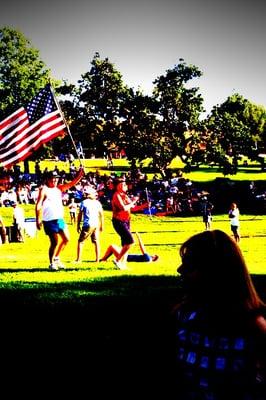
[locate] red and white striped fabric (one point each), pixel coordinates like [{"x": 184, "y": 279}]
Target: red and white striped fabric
[{"x": 24, "y": 131}]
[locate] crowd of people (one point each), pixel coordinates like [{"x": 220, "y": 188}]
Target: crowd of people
[{"x": 175, "y": 194}]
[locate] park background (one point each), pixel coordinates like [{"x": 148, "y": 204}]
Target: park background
[{"x": 94, "y": 321}]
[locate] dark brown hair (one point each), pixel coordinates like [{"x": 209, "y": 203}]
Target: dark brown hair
[{"x": 224, "y": 278}]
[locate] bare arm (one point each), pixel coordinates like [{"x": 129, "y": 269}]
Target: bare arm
[{"x": 68, "y": 185}]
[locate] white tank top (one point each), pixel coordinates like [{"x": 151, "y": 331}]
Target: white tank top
[{"x": 52, "y": 205}]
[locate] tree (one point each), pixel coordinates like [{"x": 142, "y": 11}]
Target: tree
[
  {"x": 99, "y": 99},
  {"x": 106, "y": 113},
  {"x": 234, "y": 129},
  {"x": 138, "y": 129},
  {"x": 179, "y": 108},
  {"x": 255, "y": 116},
  {"x": 22, "y": 74}
]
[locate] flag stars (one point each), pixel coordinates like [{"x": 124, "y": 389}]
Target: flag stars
[{"x": 40, "y": 105}]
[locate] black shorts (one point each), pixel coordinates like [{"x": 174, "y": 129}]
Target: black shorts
[
  {"x": 234, "y": 228},
  {"x": 123, "y": 230}
]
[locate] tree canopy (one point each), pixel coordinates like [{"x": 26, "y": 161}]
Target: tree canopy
[
  {"x": 22, "y": 72},
  {"x": 103, "y": 113}
]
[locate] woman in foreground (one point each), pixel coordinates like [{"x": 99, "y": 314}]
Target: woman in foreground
[{"x": 221, "y": 329}]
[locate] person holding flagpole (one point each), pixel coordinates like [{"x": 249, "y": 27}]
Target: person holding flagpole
[
  {"x": 49, "y": 207},
  {"x": 121, "y": 207},
  {"x": 50, "y": 214},
  {"x": 22, "y": 133}
]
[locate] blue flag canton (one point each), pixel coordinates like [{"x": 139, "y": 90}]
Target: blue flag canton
[{"x": 43, "y": 103}]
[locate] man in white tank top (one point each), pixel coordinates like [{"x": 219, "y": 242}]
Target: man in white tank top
[{"x": 50, "y": 213}]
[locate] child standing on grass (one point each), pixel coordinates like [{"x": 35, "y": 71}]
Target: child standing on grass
[
  {"x": 91, "y": 213},
  {"x": 73, "y": 207},
  {"x": 233, "y": 215},
  {"x": 206, "y": 210}
]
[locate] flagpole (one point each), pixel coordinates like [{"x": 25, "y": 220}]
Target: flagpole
[
  {"x": 68, "y": 130},
  {"x": 148, "y": 200}
]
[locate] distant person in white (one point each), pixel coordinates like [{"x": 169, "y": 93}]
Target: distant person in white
[
  {"x": 19, "y": 221},
  {"x": 234, "y": 221}
]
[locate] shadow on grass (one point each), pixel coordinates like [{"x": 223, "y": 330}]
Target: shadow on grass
[
  {"x": 115, "y": 330},
  {"x": 139, "y": 289},
  {"x": 118, "y": 332},
  {"x": 136, "y": 289}
]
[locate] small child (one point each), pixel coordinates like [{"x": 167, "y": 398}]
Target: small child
[{"x": 72, "y": 210}]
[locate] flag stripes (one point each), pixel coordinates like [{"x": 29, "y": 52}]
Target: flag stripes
[
  {"x": 12, "y": 126},
  {"x": 19, "y": 138}
]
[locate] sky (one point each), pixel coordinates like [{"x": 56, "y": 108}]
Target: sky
[{"x": 225, "y": 39}]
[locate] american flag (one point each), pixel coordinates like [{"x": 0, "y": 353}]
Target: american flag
[{"x": 24, "y": 131}]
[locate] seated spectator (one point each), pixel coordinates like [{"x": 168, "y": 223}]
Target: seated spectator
[{"x": 220, "y": 324}]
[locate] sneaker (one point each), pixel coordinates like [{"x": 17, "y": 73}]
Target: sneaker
[
  {"x": 119, "y": 265},
  {"x": 58, "y": 263},
  {"x": 53, "y": 267}
]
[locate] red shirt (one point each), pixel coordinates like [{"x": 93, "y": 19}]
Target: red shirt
[{"x": 118, "y": 211}]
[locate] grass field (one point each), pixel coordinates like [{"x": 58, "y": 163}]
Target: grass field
[
  {"x": 25, "y": 265},
  {"x": 96, "y": 326},
  {"x": 93, "y": 327}
]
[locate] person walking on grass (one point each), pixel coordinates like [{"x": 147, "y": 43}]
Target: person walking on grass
[
  {"x": 233, "y": 215},
  {"x": 206, "y": 210},
  {"x": 91, "y": 212},
  {"x": 121, "y": 206},
  {"x": 143, "y": 257},
  {"x": 220, "y": 325},
  {"x": 72, "y": 207},
  {"x": 49, "y": 212}
]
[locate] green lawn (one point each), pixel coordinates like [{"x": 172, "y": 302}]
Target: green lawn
[
  {"x": 95, "y": 322},
  {"x": 25, "y": 265}
]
